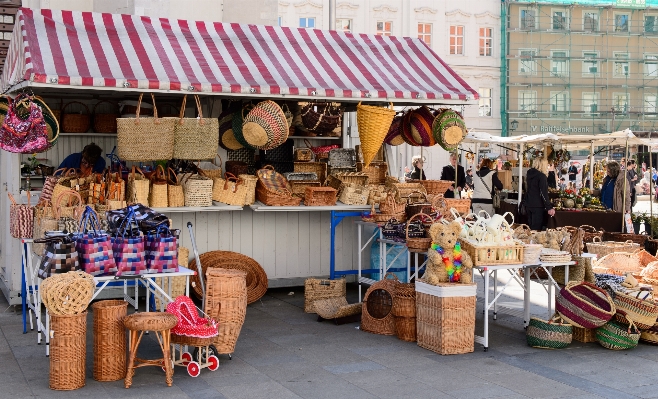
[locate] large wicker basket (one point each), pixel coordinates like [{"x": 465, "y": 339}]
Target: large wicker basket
[
  {"x": 227, "y": 291},
  {"x": 377, "y": 313},
  {"x": 68, "y": 351},
  {"x": 603, "y": 248},
  {"x": 435, "y": 187},
  {"x": 317, "y": 289},
  {"x": 320, "y": 196},
  {"x": 489, "y": 255},
  {"x": 109, "y": 340}
]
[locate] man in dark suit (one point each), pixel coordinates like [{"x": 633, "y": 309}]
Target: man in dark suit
[{"x": 448, "y": 173}]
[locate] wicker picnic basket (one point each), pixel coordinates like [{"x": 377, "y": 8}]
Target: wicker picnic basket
[
  {"x": 68, "y": 351},
  {"x": 435, "y": 187},
  {"x": 320, "y": 196},
  {"x": 334, "y": 308},
  {"x": 373, "y": 124},
  {"x": 318, "y": 289},
  {"x": 376, "y": 172},
  {"x": 585, "y": 305},
  {"x": 377, "y": 313},
  {"x": 354, "y": 194},
  {"x": 109, "y": 340},
  {"x": 319, "y": 168},
  {"x": 404, "y": 311},
  {"x": 273, "y": 189},
  {"x": 551, "y": 334},
  {"x": 336, "y": 180},
  {"x": 227, "y": 292},
  {"x": 417, "y": 243},
  {"x": 642, "y": 312},
  {"x": 76, "y": 122},
  {"x": 617, "y": 336},
  {"x": 230, "y": 190},
  {"x": 106, "y": 122}
]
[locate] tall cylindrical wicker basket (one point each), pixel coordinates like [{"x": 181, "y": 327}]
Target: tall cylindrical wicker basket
[
  {"x": 227, "y": 287},
  {"x": 404, "y": 311},
  {"x": 68, "y": 351},
  {"x": 109, "y": 340}
]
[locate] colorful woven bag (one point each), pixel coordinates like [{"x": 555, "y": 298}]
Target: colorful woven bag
[
  {"x": 265, "y": 127},
  {"x": 642, "y": 312},
  {"x": 617, "y": 336},
  {"x": 60, "y": 256},
  {"x": 584, "y": 305},
  {"x": 128, "y": 247},
  {"x": 161, "y": 251},
  {"x": 21, "y": 218},
  {"x": 24, "y": 129},
  {"x": 551, "y": 334},
  {"x": 94, "y": 247}
]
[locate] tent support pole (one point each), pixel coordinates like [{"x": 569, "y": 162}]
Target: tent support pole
[
  {"x": 623, "y": 203},
  {"x": 456, "y": 193},
  {"x": 650, "y": 180},
  {"x": 520, "y": 187},
  {"x": 591, "y": 167}
]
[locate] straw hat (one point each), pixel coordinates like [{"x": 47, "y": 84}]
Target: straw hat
[
  {"x": 449, "y": 129},
  {"x": 394, "y": 135},
  {"x": 226, "y": 137},
  {"x": 265, "y": 127}
]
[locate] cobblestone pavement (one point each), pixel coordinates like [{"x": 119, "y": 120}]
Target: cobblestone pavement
[{"x": 285, "y": 353}]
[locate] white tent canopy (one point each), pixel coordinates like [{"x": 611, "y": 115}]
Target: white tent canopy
[
  {"x": 616, "y": 139},
  {"x": 482, "y": 137}
]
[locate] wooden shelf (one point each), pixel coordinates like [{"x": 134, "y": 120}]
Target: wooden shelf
[
  {"x": 314, "y": 138},
  {"x": 90, "y": 134}
]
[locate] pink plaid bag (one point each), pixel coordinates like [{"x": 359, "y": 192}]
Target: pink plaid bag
[
  {"x": 94, "y": 247},
  {"x": 161, "y": 251},
  {"x": 128, "y": 248}
]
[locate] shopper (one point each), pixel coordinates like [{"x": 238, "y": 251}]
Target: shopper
[
  {"x": 608, "y": 186},
  {"x": 573, "y": 172},
  {"x": 469, "y": 178},
  {"x": 448, "y": 173},
  {"x": 88, "y": 161},
  {"x": 537, "y": 202},
  {"x": 622, "y": 194},
  {"x": 418, "y": 173},
  {"x": 631, "y": 173},
  {"x": 552, "y": 183},
  {"x": 484, "y": 183}
]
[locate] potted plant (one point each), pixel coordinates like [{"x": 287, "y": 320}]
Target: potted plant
[
  {"x": 579, "y": 202},
  {"x": 507, "y": 165},
  {"x": 29, "y": 169},
  {"x": 568, "y": 198}
]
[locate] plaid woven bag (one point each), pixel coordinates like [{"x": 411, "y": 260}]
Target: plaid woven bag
[
  {"x": 128, "y": 249},
  {"x": 21, "y": 218},
  {"x": 94, "y": 247},
  {"x": 60, "y": 256},
  {"x": 161, "y": 251}
]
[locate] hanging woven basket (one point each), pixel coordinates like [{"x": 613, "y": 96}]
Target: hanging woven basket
[
  {"x": 238, "y": 123},
  {"x": 394, "y": 135},
  {"x": 373, "y": 123},
  {"x": 449, "y": 129},
  {"x": 377, "y": 313},
  {"x": 265, "y": 127},
  {"x": 419, "y": 126}
]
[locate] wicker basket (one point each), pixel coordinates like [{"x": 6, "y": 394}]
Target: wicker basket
[
  {"x": 301, "y": 176},
  {"x": 106, "y": 122},
  {"x": 642, "y": 312},
  {"x": 390, "y": 205},
  {"x": 377, "y": 194},
  {"x": 320, "y": 118},
  {"x": 303, "y": 155},
  {"x": 78, "y": 122},
  {"x": 618, "y": 263},
  {"x": 354, "y": 194},
  {"x": 403, "y": 190},
  {"x": 421, "y": 243},
  {"x": 435, "y": 187},
  {"x": 373, "y": 124},
  {"x": 616, "y": 336},
  {"x": 584, "y": 305},
  {"x": 299, "y": 187},
  {"x": 335, "y": 308},
  {"x": 377, "y": 313},
  {"x": 335, "y": 180},
  {"x": 320, "y": 196},
  {"x": 461, "y": 205},
  {"x": 584, "y": 335},
  {"x": 231, "y": 190},
  {"x": 273, "y": 189},
  {"x": 197, "y": 189},
  {"x": 319, "y": 289},
  {"x": 404, "y": 311},
  {"x": 250, "y": 182},
  {"x": 446, "y": 317},
  {"x": 490, "y": 255},
  {"x": 67, "y": 293},
  {"x": 639, "y": 239},
  {"x": 650, "y": 335},
  {"x": 68, "y": 351},
  {"x": 237, "y": 168},
  {"x": 377, "y": 171},
  {"x": 319, "y": 168},
  {"x": 211, "y": 168},
  {"x": 227, "y": 291},
  {"x": 109, "y": 340},
  {"x": 552, "y": 334}
]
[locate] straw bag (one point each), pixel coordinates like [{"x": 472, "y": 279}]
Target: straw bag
[
  {"x": 211, "y": 169},
  {"x": 175, "y": 194},
  {"x": 78, "y": 122},
  {"x": 158, "y": 197},
  {"x": 44, "y": 220},
  {"x": 145, "y": 139},
  {"x": 585, "y": 305},
  {"x": 551, "y": 334},
  {"x": 59, "y": 256},
  {"x": 64, "y": 182},
  {"x": 377, "y": 315},
  {"x": 72, "y": 208},
  {"x": 616, "y": 336},
  {"x": 21, "y": 218},
  {"x": 195, "y": 138},
  {"x": 265, "y": 127},
  {"x": 231, "y": 190},
  {"x": 250, "y": 182},
  {"x": 106, "y": 122},
  {"x": 643, "y": 312},
  {"x": 138, "y": 187},
  {"x": 373, "y": 124},
  {"x": 197, "y": 190}
]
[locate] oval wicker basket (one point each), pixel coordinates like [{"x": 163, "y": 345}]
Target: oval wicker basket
[
  {"x": 642, "y": 312},
  {"x": 551, "y": 334},
  {"x": 421, "y": 243},
  {"x": 377, "y": 312},
  {"x": 106, "y": 122},
  {"x": 616, "y": 336},
  {"x": 585, "y": 305}
]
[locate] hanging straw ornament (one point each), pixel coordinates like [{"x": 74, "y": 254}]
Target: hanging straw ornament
[{"x": 373, "y": 123}]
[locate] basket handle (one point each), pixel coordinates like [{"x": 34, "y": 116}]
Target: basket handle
[
  {"x": 159, "y": 176},
  {"x": 268, "y": 167},
  {"x": 231, "y": 177},
  {"x": 220, "y": 160},
  {"x": 595, "y": 238},
  {"x": 391, "y": 274},
  {"x": 422, "y": 215},
  {"x": 589, "y": 229},
  {"x": 11, "y": 198},
  {"x": 139, "y": 106},
  {"x": 419, "y": 192},
  {"x": 93, "y": 111},
  {"x": 75, "y": 102},
  {"x": 174, "y": 181}
]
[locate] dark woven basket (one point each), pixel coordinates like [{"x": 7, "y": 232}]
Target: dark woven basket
[
  {"x": 320, "y": 118},
  {"x": 651, "y": 246},
  {"x": 237, "y": 168},
  {"x": 245, "y": 155},
  {"x": 282, "y": 153},
  {"x": 623, "y": 237}
]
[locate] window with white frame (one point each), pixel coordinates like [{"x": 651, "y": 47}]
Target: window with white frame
[
  {"x": 651, "y": 23},
  {"x": 425, "y": 33},
  {"x": 456, "y": 39},
  {"x": 650, "y": 105},
  {"x": 620, "y": 102},
  {"x": 486, "y": 42},
  {"x": 529, "y": 19},
  {"x": 343, "y": 25},
  {"x": 590, "y": 21},
  {"x": 621, "y": 22},
  {"x": 280, "y": 21},
  {"x": 485, "y": 101},
  {"x": 559, "y": 101},
  {"x": 620, "y": 65},
  {"x": 560, "y": 20},
  {"x": 527, "y": 100},
  {"x": 591, "y": 103},
  {"x": 559, "y": 63},
  {"x": 651, "y": 65},
  {"x": 307, "y": 22},
  {"x": 591, "y": 63},
  {"x": 384, "y": 28},
  {"x": 527, "y": 63}
]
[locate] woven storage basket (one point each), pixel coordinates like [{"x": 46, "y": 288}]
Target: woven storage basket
[
  {"x": 394, "y": 135},
  {"x": 197, "y": 189},
  {"x": 373, "y": 124},
  {"x": 68, "y": 351},
  {"x": 435, "y": 187},
  {"x": 639, "y": 239},
  {"x": 577, "y": 272},
  {"x": 419, "y": 243},
  {"x": 303, "y": 155},
  {"x": 195, "y": 138},
  {"x": 335, "y": 181},
  {"x": 584, "y": 305},
  {"x": 354, "y": 194},
  {"x": 376, "y": 172},
  {"x": 175, "y": 193},
  {"x": 552, "y": 334},
  {"x": 650, "y": 335},
  {"x": 109, "y": 340},
  {"x": 584, "y": 335},
  {"x": 461, "y": 205},
  {"x": 106, "y": 122},
  {"x": 334, "y": 308},
  {"x": 404, "y": 311},
  {"x": 342, "y": 158},
  {"x": 377, "y": 313},
  {"x": 158, "y": 194},
  {"x": 231, "y": 190},
  {"x": 377, "y": 194},
  {"x": 403, "y": 190},
  {"x": 602, "y": 248},
  {"x": 250, "y": 184},
  {"x": 320, "y": 196},
  {"x": 642, "y": 312},
  {"x": 145, "y": 139},
  {"x": 256, "y": 278},
  {"x": 319, "y": 168},
  {"x": 138, "y": 187},
  {"x": 374, "y": 217},
  {"x": 67, "y": 293},
  {"x": 616, "y": 336},
  {"x": 319, "y": 289},
  {"x": 211, "y": 168},
  {"x": 273, "y": 189},
  {"x": 227, "y": 291},
  {"x": 78, "y": 122},
  {"x": 299, "y": 187},
  {"x": 237, "y": 168},
  {"x": 446, "y": 317},
  {"x": 618, "y": 263},
  {"x": 489, "y": 255}
]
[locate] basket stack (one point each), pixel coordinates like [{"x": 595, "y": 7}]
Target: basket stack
[
  {"x": 227, "y": 291},
  {"x": 404, "y": 312}
]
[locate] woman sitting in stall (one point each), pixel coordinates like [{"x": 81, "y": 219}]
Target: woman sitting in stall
[{"x": 88, "y": 161}]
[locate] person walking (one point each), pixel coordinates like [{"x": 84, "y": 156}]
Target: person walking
[
  {"x": 631, "y": 173},
  {"x": 484, "y": 182},
  {"x": 537, "y": 203}
]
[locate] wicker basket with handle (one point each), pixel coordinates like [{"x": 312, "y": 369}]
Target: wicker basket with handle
[
  {"x": 106, "y": 122},
  {"x": 319, "y": 168},
  {"x": 418, "y": 243},
  {"x": 197, "y": 189},
  {"x": 158, "y": 194},
  {"x": 175, "y": 194},
  {"x": 231, "y": 190},
  {"x": 585, "y": 305},
  {"x": 250, "y": 184},
  {"x": 145, "y": 139},
  {"x": 317, "y": 289},
  {"x": 195, "y": 138},
  {"x": 273, "y": 189},
  {"x": 211, "y": 168},
  {"x": 641, "y": 311},
  {"x": 78, "y": 122},
  {"x": 299, "y": 186},
  {"x": 603, "y": 248},
  {"x": 551, "y": 334},
  {"x": 319, "y": 196}
]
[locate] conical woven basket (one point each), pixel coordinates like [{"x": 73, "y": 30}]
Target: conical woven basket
[{"x": 374, "y": 123}]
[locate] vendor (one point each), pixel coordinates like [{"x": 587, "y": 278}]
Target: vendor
[
  {"x": 448, "y": 173},
  {"x": 616, "y": 191},
  {"x": 537, "y": 201},
  {"x": 418, "y": 173},
  {"x": 89, "y": 160}
]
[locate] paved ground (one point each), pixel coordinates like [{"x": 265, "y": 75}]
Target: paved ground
[{"x": 285, "y": 353}]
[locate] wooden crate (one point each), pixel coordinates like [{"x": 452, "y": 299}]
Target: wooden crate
[
  {"x": 491, "y": 255},
  {"x": 445, "y": 317}
]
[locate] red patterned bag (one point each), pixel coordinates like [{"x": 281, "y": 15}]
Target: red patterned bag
[
  {"x": 94, "y": 247},
  {"x": 128, "y": 248},
  {"x": 24, "y": 128},
  {"x": 189, "y": 322},
  {"x": 21, "y": 218},
  {"x": 161, "y": 251}
]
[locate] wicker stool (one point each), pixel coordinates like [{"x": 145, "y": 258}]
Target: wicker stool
[{"x": 160, "y": 324}]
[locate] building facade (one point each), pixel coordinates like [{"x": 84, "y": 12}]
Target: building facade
[{"x": 581, "y": 67}]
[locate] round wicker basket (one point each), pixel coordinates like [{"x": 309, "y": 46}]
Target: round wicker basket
[{"x": 377, "y": 313}]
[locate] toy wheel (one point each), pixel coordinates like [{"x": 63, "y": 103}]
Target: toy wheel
[
  {"x": 214, "y": 362},
  {"x": 172, "y": 366},
  {"x": 193, "y": 369},
  {"x": 187, "y": 357},
  {"x": 212, "y": 351}
]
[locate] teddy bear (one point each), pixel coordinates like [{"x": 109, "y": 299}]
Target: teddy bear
[{"x": 444, "y": 237}]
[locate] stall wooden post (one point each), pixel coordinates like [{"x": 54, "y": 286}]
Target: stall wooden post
[
  {"x": 623, "y": 203},
  {"x": 591, "y": 167},
  {"x": 520, "y": 186},
  {"x": 650, "y": 179}
]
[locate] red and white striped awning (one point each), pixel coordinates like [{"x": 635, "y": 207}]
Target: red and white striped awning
[{"x": 95, "y": 50}]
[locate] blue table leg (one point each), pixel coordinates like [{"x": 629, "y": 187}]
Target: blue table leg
[
  {"x": 24, "y": 289},
  {"x": 336, "y": 218}
]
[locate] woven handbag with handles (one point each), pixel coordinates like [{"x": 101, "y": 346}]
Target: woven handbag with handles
[
  {"x": 175, "y": 194},
  {"x": 128, "y": 248},
  {"x": 197, "y": 189},
  {"x": 231, "y": 190},
  {"x": 21, "y": 218},
  {"x": 195, "y": 138},
  {"x": 158, "y": 196},
  {"x": 24, "y": 132},
  {"x": 584, "y": 305},
  {"x": 138, "y": 188},
  {"x": 94, "y": 247},
  {"x": 551, "y": 334},
  {"x": 617, "y": 336},
  {"x": 145, "y": 139},
  {"x": 59, "y": 256}
]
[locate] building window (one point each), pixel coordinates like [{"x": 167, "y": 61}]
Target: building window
[
  {"x": 590, "y": 21},
  {"x": 651, "y": 65},
  {"x": 485, "y": 101},
  {"x": 650, "y": 105},
  {"x": 307, "y": 22},
  {"x": 559, "y": 63},
  {"x": 620, "y": 65},
  {"x": 621, "y": 22},
  {"x": 456, "y": 39},
  {"x": 559, "y": 101},
  {"x": 591, "y": 63},
  {"x": 486, "y": 42},
  {"x": 384, "y": 28},
  {"x": 527, "y": 63},
  {"x": 529, "y": 19},
  {"x": 590, "y": 103},
  {"x": 425, "y": 33},
  {"x": 620, "y": 102},
  {"x": 343, "y": 25},
  {"x": 280, "y": 21},
  {"x": 560, "y": 20},
  {"x": 650, "y": 23},
  {"x": 527, "y": 100}
]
